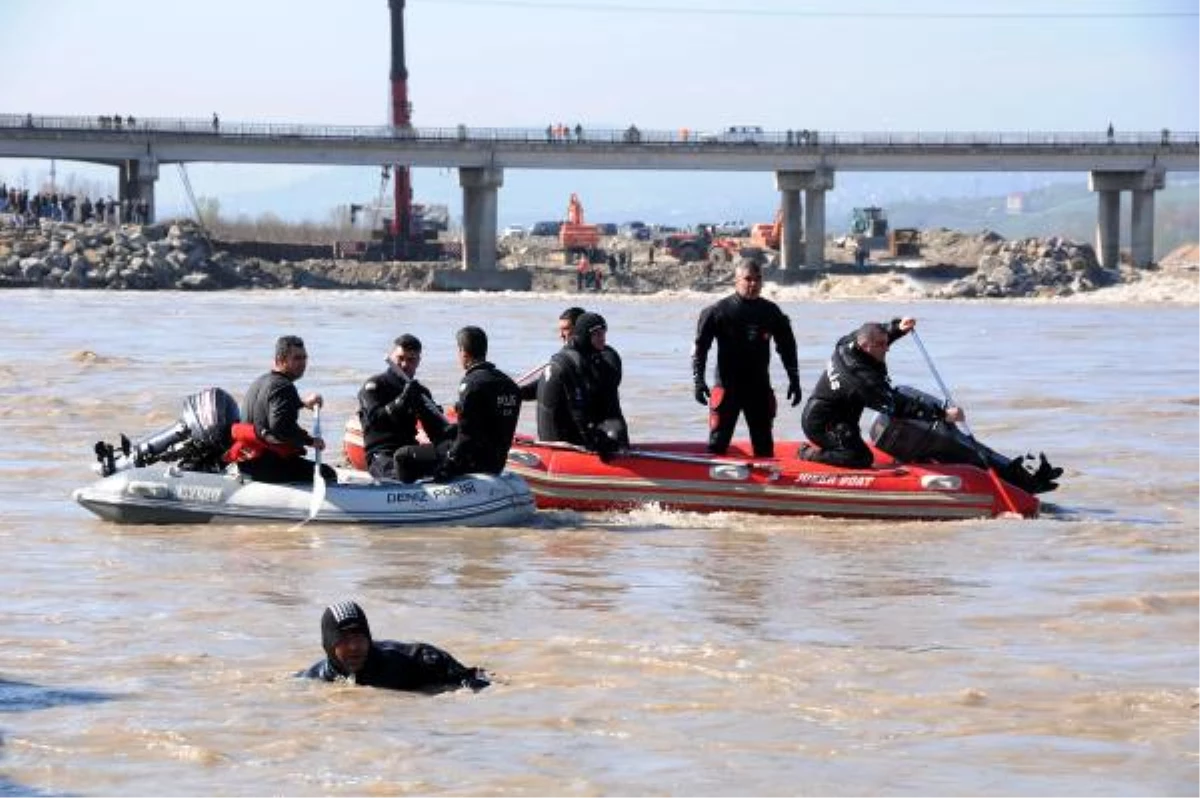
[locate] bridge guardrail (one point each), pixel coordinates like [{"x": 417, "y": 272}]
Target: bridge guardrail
[{"x": 683, "y": 137}]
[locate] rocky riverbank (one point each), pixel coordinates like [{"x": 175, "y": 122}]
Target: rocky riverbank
[{"x": 178, "y": 255}]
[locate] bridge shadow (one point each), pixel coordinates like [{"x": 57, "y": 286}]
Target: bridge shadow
[{"x": 27, "y": 697}]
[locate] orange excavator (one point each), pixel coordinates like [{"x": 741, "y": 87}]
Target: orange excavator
[
  {"x": 766, "y": 235},
  {"x": 575, "y": 236}
]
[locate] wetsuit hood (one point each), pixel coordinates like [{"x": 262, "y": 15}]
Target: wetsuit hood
[
  {"x": 581, "y": 333},
  {"x": 337, "y": 620}
]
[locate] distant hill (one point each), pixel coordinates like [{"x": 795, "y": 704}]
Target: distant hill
[{"x": 1058, "y": 210}]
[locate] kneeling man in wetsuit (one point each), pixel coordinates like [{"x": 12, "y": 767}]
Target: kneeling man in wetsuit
[{"x": 857, "y": 378}]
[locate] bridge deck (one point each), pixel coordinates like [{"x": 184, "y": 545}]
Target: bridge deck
[{"x": 102, "y": 139}]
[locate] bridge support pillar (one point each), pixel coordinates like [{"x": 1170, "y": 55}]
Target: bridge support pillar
[
  {"x": 1108, "y": 186},
  {"x": 1108, "y": 228},
  {"x": 814, "y": 216},
  {"x": 814, "y": 185},
  {"x": 790, "y": 252},
  {"x": 136, "y": 182},
  {"x": 480, "y": 185},
  {"x": 1141, "y": 227}
]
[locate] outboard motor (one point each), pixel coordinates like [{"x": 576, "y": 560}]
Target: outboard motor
[
  {"x": 917, "y": 441},
  {"x": 197, "y": 440}
]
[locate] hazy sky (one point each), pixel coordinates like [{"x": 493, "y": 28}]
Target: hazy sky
[{"x": 848, "y": 65}]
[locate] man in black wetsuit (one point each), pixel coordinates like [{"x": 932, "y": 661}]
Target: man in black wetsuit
[
  {"x": 579, "y": 401},
  {"x": 743, "y": 325},
  {"x": 272, "y": 406},
  {"x": 489, "y": 407},
  {"x": 351, "y": 654},
  {"x": 390, "y": 404},
  {"x": 857, "y": 378},
  {"x": 566, "y": 323}
]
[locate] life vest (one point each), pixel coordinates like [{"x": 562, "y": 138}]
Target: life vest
[{"x": 249, "y": 445}]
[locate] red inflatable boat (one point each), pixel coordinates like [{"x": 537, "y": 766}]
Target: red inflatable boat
[{"x": 682, "y": 476}]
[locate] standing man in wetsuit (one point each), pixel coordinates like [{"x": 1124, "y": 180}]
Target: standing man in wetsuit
[
  {"x": 743, "y": 325},
  {"x": 855, "y": 379},
  {"x": 272, "y": 407},
  {"x": 390, "y": 404},
  {"x": 351, "y": 654},
  {"x": 489, "y": 407}
]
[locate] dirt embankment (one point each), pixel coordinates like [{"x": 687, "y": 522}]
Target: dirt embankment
[{"x": 952, "y": 265}]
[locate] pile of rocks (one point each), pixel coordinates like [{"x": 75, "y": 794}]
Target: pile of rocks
[
  {"x": 1033, "y": 267},
  {"x": 173, "y": 255},
  {"x": 68, "y": 255}
]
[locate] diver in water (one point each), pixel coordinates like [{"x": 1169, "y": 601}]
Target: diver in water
[{"x": 352, "y": 655}]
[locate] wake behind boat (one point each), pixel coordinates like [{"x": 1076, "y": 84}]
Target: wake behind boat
[{"x": 178, "y": 476}]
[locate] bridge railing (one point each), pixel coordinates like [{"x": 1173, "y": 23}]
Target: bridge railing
[{"x": 562, "y": 136}]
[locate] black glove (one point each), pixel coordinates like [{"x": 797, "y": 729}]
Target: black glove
[
  {"x": 793, "y": 391},
  {"x": 476, "y": 679},
  {"x": 445, "y": 471},
  {"x": 603, "y": 444},
  {"x": 407, "y": 400},
  {"x": 702, "y": 393}
]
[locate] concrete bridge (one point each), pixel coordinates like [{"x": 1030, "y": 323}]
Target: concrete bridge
[{"x": 802, "y": 160}]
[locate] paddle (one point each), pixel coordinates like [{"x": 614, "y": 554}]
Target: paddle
[
  {"x": 1012, "y": 507},
  {"x": 318, "y": 491},
  {"x": 531, "y": 375},
  {"x": 647, "y": 454}
]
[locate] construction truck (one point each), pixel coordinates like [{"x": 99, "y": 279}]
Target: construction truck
[
  {"x": 418, "y": 242},
  {"x": 576, "y": 236},
  {"x": 904, "y": 242},
  {"x": 704, "y": 244},
  {"x": 869, "y": 229}
]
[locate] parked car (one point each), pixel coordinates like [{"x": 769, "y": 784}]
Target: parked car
[
  {"x": 545, "y": 228},
  {"x": 638, "y": 231},
  {"x": 513, "y": 231},
  {"x": 607, "y": 228}
]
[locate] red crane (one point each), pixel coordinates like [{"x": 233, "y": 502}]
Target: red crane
[{"x": 401, "y": 118}]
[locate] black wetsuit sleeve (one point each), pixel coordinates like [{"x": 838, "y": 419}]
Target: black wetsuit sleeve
[
  {"x": 706, "y": 331},
  {"x": 472, "y": 413},
  {"x": 785, "y": 344},
  {"x": 373, "y": 400},
  {"x": 418, "y": 667},
  {"x": 894, "y": 332},
  {"x": 529, "y": 391},
  {"x": 319, "y": 670},
  {"x": 283, "y": 415},
  {"x": 558, "y": 392}
]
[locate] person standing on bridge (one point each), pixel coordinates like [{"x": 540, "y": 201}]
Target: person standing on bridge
[
  {"x": 743, "y": 325},
  {"x": 216, "y": 123}
]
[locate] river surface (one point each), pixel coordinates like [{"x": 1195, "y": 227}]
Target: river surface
[{"x": 650, "y": 652}]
